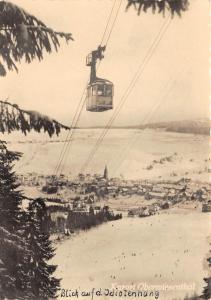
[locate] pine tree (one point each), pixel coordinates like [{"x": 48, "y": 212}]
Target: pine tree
[
  {"x": 13, "y": 249},
  {"x": 207, "y": 289},
  {"x": 22, "y": 36},
  {"x": 10, "y": 198},
  {"x": 42, "y": 284}
]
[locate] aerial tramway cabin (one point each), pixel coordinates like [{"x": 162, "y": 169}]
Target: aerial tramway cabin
[{"x": 99, "y": 96}]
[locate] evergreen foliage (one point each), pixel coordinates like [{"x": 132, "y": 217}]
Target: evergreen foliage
[
  {"x": 160, "y": 6},
  {"x": 43, "y": 284},
  {"x": 207, "y": 289},
  {"x": 25, "y": 248},
  {"x": 80, "y": 220},
  {"x": 14, "y": 118},
  {"x": 13, "y": 249},
  {"x": 23, "y": 36},
  {"x": 24, "y": 245}
]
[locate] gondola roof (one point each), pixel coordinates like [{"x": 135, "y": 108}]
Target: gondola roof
[{"x": 100, "y": 81}]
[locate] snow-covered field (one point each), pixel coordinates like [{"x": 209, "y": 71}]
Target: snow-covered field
[
  {"x": 126, "y": 152},
  {"x": 167, "y": 249}
]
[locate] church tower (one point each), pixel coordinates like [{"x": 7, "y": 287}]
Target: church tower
[{"x": 105, "y": 174}]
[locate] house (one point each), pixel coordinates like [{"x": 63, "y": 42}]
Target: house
[
  {"x": 55, "y": 215},
  {"x": 131, "y": 213},
  {"x": 166, "y": 205},
  {"x": 144, "y": 212},
  {"x": 81, "y": 177},
  {"x": 157, "y": 196},
  {"x": 82, "y": 210},
  {"x": 206, "y": 207},
  {"x": 157, "y": 189}
]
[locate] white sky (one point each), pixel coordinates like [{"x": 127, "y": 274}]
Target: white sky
[{"x": 54, "y": 86}]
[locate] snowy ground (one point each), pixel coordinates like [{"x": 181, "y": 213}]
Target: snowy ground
[
  {"x": 166, "y": 249},
  {"x": 127, "y": 152}
]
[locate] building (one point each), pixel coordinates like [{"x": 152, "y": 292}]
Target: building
[{"x": 105, "y": 174}]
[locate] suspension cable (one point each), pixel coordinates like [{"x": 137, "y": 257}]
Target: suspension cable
[
  {"x": 169, "y": 86},
  {"x": 129, "y": 89},
  {"x": 68, "y": 141}
]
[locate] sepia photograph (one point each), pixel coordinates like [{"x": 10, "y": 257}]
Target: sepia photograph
[{"x": 105, "y": 161}]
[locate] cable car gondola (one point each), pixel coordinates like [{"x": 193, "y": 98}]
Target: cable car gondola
[{"x": 99, "y": 96}]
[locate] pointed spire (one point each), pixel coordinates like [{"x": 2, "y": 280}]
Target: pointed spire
[{"x": 105, "y": 175}]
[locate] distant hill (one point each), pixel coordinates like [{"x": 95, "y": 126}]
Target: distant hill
[{"x": 200, "y": 126}]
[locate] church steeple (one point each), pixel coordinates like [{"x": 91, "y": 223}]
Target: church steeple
[{"x": 105, "y": 174}]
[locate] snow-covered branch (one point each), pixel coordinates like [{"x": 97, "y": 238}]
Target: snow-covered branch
[{"x": 14, "y": 118}]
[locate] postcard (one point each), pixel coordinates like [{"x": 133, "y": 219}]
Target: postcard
[{"x": 105, "y": 163}]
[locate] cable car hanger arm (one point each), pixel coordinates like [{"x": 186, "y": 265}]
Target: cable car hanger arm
[{"x": 92, "y": 61}]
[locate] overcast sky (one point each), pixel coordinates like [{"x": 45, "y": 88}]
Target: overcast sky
[{"x": 54, "y": 86}]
